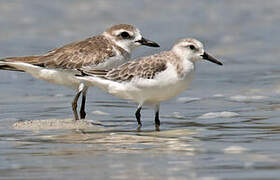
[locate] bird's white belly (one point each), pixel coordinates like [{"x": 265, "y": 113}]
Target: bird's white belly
[
  {"x": 158, "y": 94},
  {"x": 59, "y": 77}
]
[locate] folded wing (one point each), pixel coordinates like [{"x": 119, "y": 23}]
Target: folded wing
[
  {"x": 146, "y": 68},
  {"x": 89, "y": 52}
]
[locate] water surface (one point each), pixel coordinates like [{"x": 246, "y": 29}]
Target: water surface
[{"x": 226, "y": 126}]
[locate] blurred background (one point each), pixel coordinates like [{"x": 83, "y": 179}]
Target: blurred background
[{"x": 226, "y": 126}]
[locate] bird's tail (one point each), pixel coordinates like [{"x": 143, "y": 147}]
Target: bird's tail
[
  {"x": 20, "y": 66},
  {"x": 4, "y": 65},
  {"x": 19, "y": 63}
]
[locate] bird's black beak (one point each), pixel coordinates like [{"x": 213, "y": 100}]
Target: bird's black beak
[
  {"x": 147, "y": 42},
  {"x": 210, "y": 58}
]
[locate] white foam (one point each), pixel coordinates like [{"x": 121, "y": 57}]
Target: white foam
[
  {"x": 100, "y": 113},
  {"x": 235, "y": 149},
  {"x": 241, "y": 98},
  {"x": 52, "y": 124},
  {"x": 218, "y": 95},
  {"x": 224, "y": 114},
  {"x": 177, "y": 115},
  {"x": 187, "y": 99}
]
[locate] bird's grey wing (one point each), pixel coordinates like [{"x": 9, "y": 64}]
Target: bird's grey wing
[{"x": 146, "y": 68}]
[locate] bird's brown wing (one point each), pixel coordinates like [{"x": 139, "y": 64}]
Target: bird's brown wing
[{"x": 89, "y": 52}]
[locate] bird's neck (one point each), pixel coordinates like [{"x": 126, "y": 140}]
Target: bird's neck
[{"x": 182, "y": 66}]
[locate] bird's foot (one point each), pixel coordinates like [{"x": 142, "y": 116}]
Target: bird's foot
[
  {"x": 139, "y": 127},
  {"x": 157, "y": 127}
]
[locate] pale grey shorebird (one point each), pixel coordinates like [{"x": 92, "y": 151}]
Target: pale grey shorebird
[
  {"x": 59, "y": 66},
  {"x": 152, "y": 79}
]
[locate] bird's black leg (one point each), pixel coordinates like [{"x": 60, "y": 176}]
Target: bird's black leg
[
  {"x": 138, "y": 116},
  {"x": 74, "y": 105},
  {"x": 83, "y": 105},
  {"x": 157, "y": 121}
]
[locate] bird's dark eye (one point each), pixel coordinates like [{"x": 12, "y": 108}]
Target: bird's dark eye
[
  {"x": 125, "y": 35},
  {"x": 191, "y": 47}
]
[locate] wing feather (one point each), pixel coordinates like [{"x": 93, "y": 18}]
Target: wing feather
[
  {"x": 146, "y": 68},
  {"x": 89, "y": 52}
]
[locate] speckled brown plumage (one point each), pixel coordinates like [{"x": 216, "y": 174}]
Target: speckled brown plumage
[
  {"x": 89, "y": 52},
  {"x": 146, "y": 68}
]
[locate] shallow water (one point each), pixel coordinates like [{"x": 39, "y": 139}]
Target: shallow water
[{"x": 226, "y": 126}]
